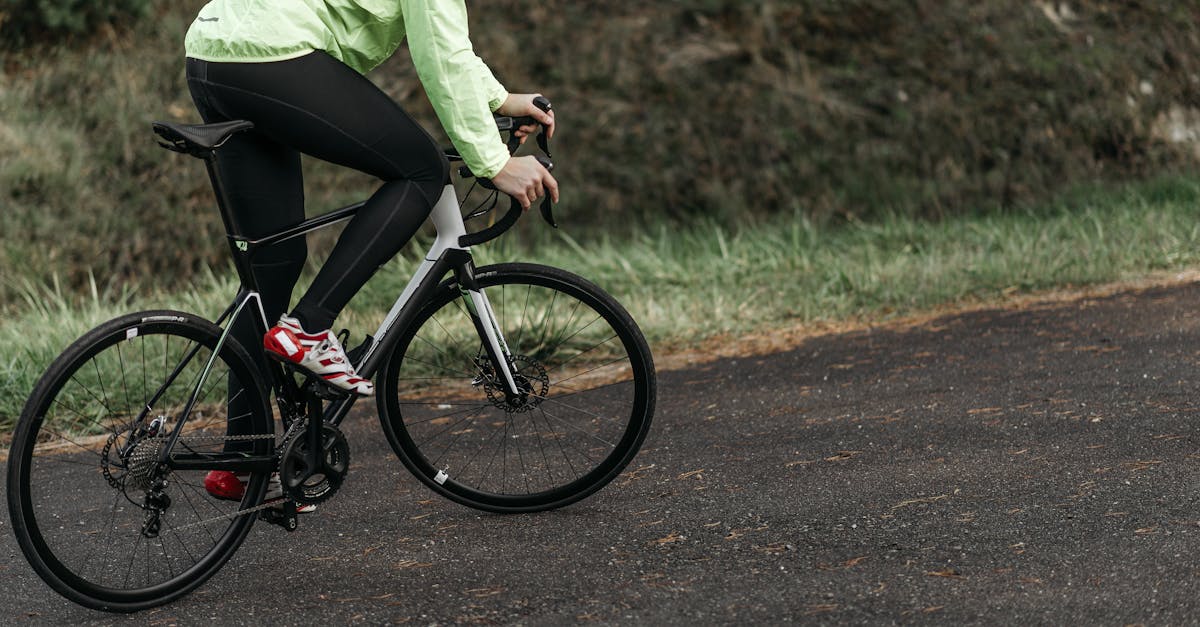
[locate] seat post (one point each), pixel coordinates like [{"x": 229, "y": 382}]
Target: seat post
[{"x": 238, "y": 244}]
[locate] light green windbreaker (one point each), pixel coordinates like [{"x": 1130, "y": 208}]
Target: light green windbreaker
[{"x": 362, "y": 34}]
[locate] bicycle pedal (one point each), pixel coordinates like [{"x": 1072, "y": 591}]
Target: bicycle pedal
[
  {"x": 355, "y": 354},
  {"x": 284, "y": 516},
  {"x": 319, "y": 388}
]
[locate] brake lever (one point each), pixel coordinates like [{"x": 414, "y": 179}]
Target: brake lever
[
  {"x": 543, "y": 140},
  {"x": 547, "y": 206}
]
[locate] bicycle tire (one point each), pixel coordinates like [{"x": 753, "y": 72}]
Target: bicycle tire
[
  {"x": 422, "y": 402},
  {"x": 74, "y": 500}
]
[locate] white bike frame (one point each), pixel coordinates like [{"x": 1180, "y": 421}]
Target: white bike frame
[
  {"x": 447, "y": 219},
  {"x": 447, "y": 254}
]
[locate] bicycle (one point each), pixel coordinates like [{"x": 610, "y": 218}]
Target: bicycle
[{"x": 509, "y": 388}]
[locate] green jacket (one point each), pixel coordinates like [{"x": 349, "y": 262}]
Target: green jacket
[{"x": 362, "y": 34}]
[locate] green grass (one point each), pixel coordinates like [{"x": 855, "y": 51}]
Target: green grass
[
  {"x": 850, "y": 108},
  {"x": 686, "y": 285}
]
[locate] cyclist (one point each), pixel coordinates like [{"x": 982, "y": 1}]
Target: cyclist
[{"x": 295, "y": 68}]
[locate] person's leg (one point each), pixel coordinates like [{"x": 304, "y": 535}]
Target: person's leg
[
  {"x": 263, "y": 182},
  {"x": 323, "y": 108}
]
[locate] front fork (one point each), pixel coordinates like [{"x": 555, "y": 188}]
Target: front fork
[{"x": 484, "y": 318}]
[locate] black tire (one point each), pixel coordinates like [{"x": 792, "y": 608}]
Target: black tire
[
  {"x": 78, "y": 511},
  {"x": 592, "y": 383}
]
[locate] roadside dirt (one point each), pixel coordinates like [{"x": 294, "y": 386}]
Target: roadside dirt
[{"x": 789, "y": 337}]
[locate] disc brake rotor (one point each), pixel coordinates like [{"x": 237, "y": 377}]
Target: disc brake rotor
[{"x": 532, "y": 381}]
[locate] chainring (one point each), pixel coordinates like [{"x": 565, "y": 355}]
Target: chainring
[{"x": 310, "y": 486}]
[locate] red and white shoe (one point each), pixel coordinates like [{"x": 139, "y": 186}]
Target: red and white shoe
[
  {"x": 229, "y": 486},
  {"x": 320, "y": 354}
]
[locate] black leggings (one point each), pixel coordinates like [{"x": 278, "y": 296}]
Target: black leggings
[{"x": 318, "y": 106}]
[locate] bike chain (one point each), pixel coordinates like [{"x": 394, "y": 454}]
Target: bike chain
[
  {"x": 296, "y": 427},
  {"x": 211, "y": 438},
  {"x": 158, "y": 441}
]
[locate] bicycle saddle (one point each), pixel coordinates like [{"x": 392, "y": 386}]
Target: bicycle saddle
[{"x": 198, "y": 139}]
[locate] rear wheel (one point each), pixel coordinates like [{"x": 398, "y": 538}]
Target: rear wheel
[
  {"x": 588, "y": 386},
  {"x": 96, "y": 515}
]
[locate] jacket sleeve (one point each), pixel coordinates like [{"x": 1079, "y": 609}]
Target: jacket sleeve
[{"x": 464, "y": 92}]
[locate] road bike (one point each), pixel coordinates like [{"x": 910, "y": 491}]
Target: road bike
[{"x": 509, "y": 388}]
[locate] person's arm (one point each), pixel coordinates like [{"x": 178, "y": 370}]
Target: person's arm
[{"x": 464, "y": 92}]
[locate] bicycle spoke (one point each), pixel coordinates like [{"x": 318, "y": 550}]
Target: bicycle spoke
[
  {"x": 71, "y": 462},
  {"x": 450, "y": 446},
  {"x": 603, "y": 365},
  {"x": 425, "y": 363},
  {"x": 464, "y": 419},
  {"x": 84, "y": 491},
  {"x": 192, "y": 505},
  {"x": 560, "y": 340},
  {"x": 132, "y": 557},
  {"x": 449, "y": 336},
  {"x": 524, "y": 469},
  {"x": 457, "y": 413},
  {"x": 145, "y": 387},
  {"x": 561, "y": 449},
  {"x": 94, "y": 397},
  {"x": 162, "y": 544},
  {"x": 476, "y": 455},
  {"x": 107, "y": 533},
  {"x": 103, "y": 391},
  {"x": 546, "y": 317},
  {"x": 537, "y": 432},
  {"x": 551, "y": 443},
  {"x": 564, "y": 422},
  {"x": 524, "y": 312},
  {"x": 435, "y": 347},
  {"x": 590, "y": 349},
  {"x": 438, "y": 404},
  {"x": 68, "y": 441}
]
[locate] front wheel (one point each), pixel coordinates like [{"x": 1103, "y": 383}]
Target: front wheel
[{"x": 588, "y": 384}]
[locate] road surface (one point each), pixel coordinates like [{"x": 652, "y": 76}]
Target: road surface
[{"x": 1028, "y": 466}]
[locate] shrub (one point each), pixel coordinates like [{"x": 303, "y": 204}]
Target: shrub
[{"x": 23, "y": 22}]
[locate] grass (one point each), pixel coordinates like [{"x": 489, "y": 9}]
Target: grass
[
  {"x": 853, "y": 108},
  {"x": 687, "y": 285}
]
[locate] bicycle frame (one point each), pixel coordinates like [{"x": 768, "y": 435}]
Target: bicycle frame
[{"x": 446, "y": 255}]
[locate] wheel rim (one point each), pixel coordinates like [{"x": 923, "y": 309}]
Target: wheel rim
[{"x": 463, "y": 437}]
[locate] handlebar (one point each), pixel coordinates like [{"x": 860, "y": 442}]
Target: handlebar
[
  {"x": 510, "y": 219},
  {"x": 510, "y": 125}
]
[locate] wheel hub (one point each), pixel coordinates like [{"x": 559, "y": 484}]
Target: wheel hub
[{"x": 532, "y": 381}]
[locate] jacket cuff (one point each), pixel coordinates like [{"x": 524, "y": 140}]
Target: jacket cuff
[{"x": 492, "y": 161}]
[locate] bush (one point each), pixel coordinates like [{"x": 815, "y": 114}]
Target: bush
[
  {"x": 23, "y": 22},
  {"x": 717, "y": 109}
]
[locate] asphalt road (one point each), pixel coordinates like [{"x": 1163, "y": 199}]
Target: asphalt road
[{"x": 1035, "y": 466}]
